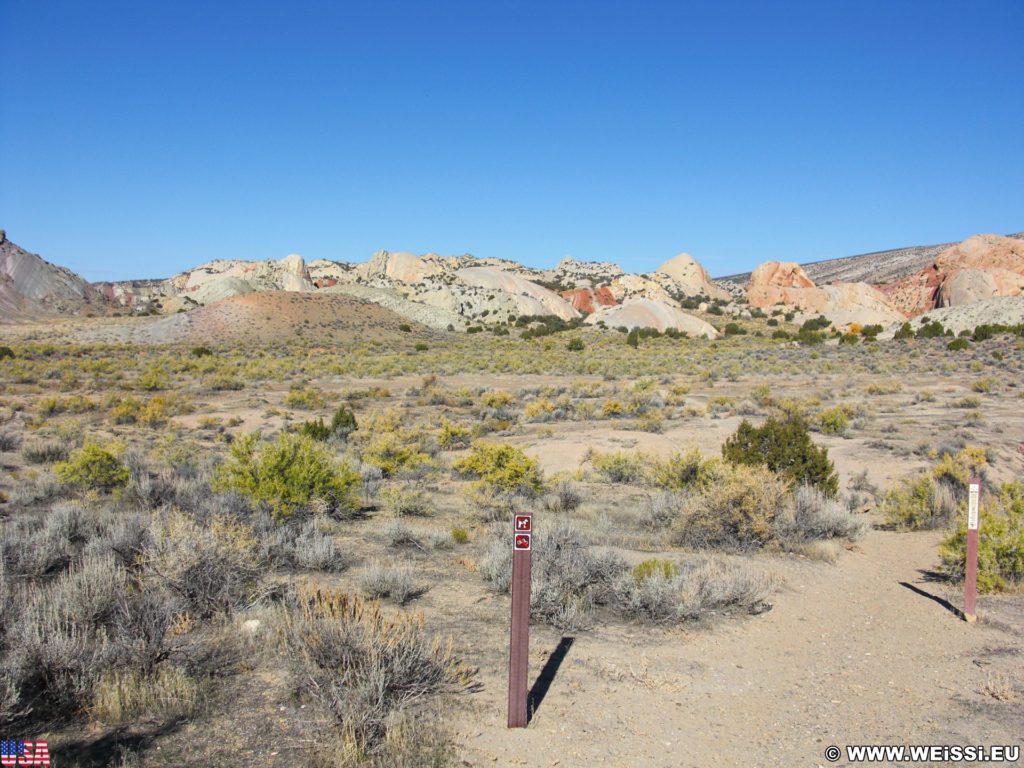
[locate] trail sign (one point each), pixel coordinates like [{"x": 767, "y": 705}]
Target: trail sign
[
  {"x": 971, "y": 566},
  {"x": 519, "y": 633}
]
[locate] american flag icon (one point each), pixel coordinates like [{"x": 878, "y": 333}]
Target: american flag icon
[{"x": 21, "y": 752}]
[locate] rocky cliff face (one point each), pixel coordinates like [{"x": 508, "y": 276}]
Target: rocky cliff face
[{"x": 30, "y": 286}]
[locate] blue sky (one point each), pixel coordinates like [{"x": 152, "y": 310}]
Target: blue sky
[{"x": 141, "y": 138}]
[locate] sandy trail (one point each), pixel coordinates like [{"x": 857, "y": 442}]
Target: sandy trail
[{"x": 848, "y": 655}]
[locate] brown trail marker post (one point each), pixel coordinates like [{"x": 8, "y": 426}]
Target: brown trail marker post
[
  {"x": 519, "y": 644},
  {"x": 971, "y": 575}
]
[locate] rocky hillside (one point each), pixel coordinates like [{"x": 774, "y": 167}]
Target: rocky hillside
[
  {"x": 32, "y": 287},
  {"x": 875, "y": 268}
]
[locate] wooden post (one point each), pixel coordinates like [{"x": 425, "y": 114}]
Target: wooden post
[
  {"x": 519, "y": 641},
  {"x": 971, "y": 574}
]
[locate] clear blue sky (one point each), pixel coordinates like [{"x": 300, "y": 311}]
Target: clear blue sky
[{"x": 139, "y": 138}]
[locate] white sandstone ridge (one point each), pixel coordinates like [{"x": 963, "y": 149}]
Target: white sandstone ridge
[
  {"x": 458, "y": 290},
  {"x": 786, "y": 284},
  {"x": 999, "y": 310},
  {"x": 210, "y": 282},
  {"x": 646, "y": 313}
]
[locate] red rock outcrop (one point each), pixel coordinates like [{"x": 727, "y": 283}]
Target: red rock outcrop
[{"x": 587, "y": 299}]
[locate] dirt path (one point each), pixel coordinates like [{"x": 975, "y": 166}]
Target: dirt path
[{"x": 847, "y": 656}]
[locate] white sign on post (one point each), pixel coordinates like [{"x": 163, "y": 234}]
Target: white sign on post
[{"x": 972, "y": 507}]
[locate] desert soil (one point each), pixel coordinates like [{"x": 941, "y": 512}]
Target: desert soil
[{"x": 863, "y": 652}]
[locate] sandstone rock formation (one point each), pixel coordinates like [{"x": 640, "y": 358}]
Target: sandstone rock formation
[
  {"x": 646, "y": 313},
  {"x": 981, "y": 267},
  {"x": 785, "y": 283},
  {"x": 30, "y": 286},
  {"x": 586, "y": 299},
  {"x": 530, "y": 298},
  {"x": 690, "y": 277}
]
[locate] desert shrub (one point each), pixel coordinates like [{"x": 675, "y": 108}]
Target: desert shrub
[
  {"x": 213, "y": 567},
  {"x": 565, "y": 496},
  {"x": 201, "y": 352},
  {"x": 288, "y": 474},
  {"x": 497, "y": 398},
  {"x": 619, "y": 466},
  {"x": 343, "y": 422},
  {"x": 304, "y": 398},
  {"x": 44, "y": 451},
  {"x": 654, "y": 566},
  {"x": 155, "y": 377},
  {"x": 569, "y": 578},
  {"x": 670, "y": 593},
  {"x": 9, "y": 440},
  {"x": 919, "y": 502},
  {"x": 452, "y": 437},
  {"x": 124, "y": 696},
  {"x": 342, "y": 425},
  {"x": 397, "y": 582},
  {"x": 315, "y": 430},
  {"x": 396, "y": 451},
  {"x": 315, "y": 550},
  {"x": 6, "y": 352},
  {"x": 736, "y": 513},
  {"x": 460, "y": 535},
  {"x": 540, "y": 409},
  {"x": 501, "y": 468},
  {"x": 650, "y": 421},
  {"x": 93, "y": 467},
  {"x": 985, "y": 385},
  {"x": 1000, "y": 542},
  {"x": 784, "y": 447},
  {"x": 367, "y": 669},
  {"x": 813, "y": 516},
  {"x": 688, "y": 471},
  {"x": 575, "y": 345},
  {"x": 904, "y": 332},
  {"x": 660, "y": 510},
  {"x": 404, "y": 500},
  {"x": 931, "y": 330},
  {"x": 835, "y": 421},
  {"x": 958, "y": 345}
]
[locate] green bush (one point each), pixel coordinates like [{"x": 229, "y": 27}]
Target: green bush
[
  {"x": 288, "y": 474},
  {"x": 958, "y": 345},
  {"x": 1000, "y": 542},
  {"x": 343, "y": 423},
  {"x": 6, "y": 351},
  {"x": 784, "y": 447},
  {"x": 502, "y": 468},
  {"x": 654, "y": 567},
  {"x": 633, "y": 338},
  {"x": 575, "y": 345},
  {"x": 904, "y": 332},
  {"x": 919, "y": 502},
  {"x": 619, "y": 466},
  {"x": 688, "y": 471},
  {"x": 93, "y": 467},
  {"x": 835, "y": 421}
]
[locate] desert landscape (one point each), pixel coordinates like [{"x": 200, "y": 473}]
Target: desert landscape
[{"x": 256, "y": 513}]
